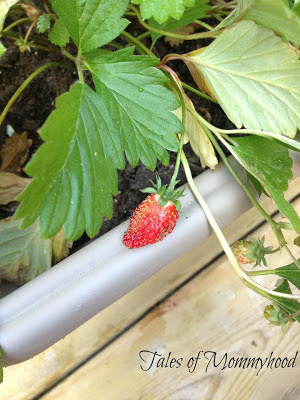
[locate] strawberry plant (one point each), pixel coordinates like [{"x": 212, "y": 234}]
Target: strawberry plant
[{"x": 128, "y": 104}]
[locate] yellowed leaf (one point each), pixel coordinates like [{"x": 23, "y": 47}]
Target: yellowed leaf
[
  {"x": 23, "y": 253},
  {"x": 4, "y": 8},
  {"x": 183, "y": 30},
  {"x": 11, "y": 186},
  {"x": 60, "y": 247},
  {"x": 256, "y": 87},
  {"x": 195, "y": 134},
  {"x": 15, "y": 152},
  {"x": 198, "y": 77}
]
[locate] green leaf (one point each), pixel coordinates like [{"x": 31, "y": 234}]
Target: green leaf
[
  {"x": 43, "y": 23},
  {"x": 296, "y": 7},
  {"x": 271, "y": 164},
  {"x": 255, "y": 77},
  {"x": 141, "y": 107},
  {"x": 23, "y": 254},
  {"x": 274, "y": 15},
  {"x": 92, "y": 23},
  {"x": 59, "y": 34},
  {"x": 289, "y": 305},
  {"x": 74, "y": 171},
  {"x": 290, "y": 272},
  {"x": 4, "y": 8},
  {"x": 2, "y": 49},
  {"x": 285, "y": 207},
  {"x": 268, "y": 160},
  {"x": 277, "y": 16},
  {"x": 255, "y": 183},
  {"x": 190, "y": 14},
  {"x": 161, "y": 10}
]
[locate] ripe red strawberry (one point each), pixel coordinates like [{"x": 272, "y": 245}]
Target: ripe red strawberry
[{"x": 154, "y": 218}]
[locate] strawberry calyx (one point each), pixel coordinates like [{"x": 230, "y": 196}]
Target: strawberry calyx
[
  {"x": 166, "y": 193},
  {"x": 277, "y": 316},
  {"x": 250, "y": 251}
]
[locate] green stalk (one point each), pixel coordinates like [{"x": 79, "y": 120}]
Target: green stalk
[
  {"x": 241, "y": 273},
  {"x": 177, "y": 164},
  {"x": 181, "y": 141},
  {"x": 263, "y": 272},
  {"x": 43, "y": 48},
  {"x": 79, "y": 67},
  {"x": 143, "y": 35},
  {"x": 210, "y": 217},
  {"x": 204, "y": 24},
  {"x": 201, "y": 35},
  {"x": 117, "y": 46},
  {"x": 25, "y": 84},
  {"x": 19, "y": 21},
  {"x": 137, "y": 42},
  {"x": 173, "y": 182},
  {"x": 217, "y": 17},
  {"x": 68, "y": 55},
  {"x": 222, "y": 6},
  {"x": 221, "y": 12},
  {"x": 205, "y": 96}
]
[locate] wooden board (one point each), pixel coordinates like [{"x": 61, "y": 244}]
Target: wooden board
[
  {"x": 27, "y": 380},
  {"x": 213, "y": 312}
]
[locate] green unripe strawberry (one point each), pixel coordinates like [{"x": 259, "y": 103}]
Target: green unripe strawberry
[{"x": 240, "y": 249}]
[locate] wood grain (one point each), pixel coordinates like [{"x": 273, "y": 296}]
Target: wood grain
[
  {"x": 213, "y": 312},
  {"x": 27, "y": 380}
]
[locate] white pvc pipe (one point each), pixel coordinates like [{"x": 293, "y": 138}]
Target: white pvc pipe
[{"x": 52, "y": 305}]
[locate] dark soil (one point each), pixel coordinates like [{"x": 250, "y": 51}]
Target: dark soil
[{"x": 37, "y": 101}]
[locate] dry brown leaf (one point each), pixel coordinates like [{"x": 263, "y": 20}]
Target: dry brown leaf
[
  {"x": 11, "y": 186},
  {"x": 15, "y": 152},
  {"x": 184, "y": 30},
  {"x": 32, "y": 13}
]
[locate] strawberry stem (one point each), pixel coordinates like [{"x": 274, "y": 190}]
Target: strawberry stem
[
  {"x": 199, "y": 35},
  {"x": 205, "y": 96},
  {"x": 25, "y": 84},
  {"x": 173, "y": 181},
  {"x": 241, "y": 273}
]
